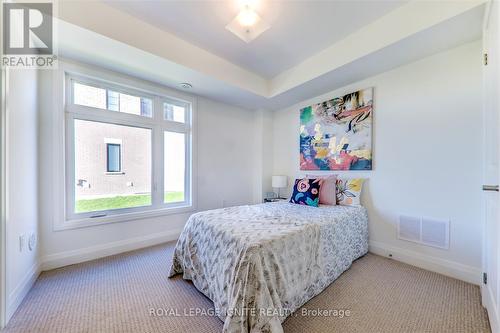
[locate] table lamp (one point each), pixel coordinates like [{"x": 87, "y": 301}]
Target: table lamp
[{"x": 279, "y": 182}]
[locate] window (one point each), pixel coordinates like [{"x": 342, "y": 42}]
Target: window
[
  {"x": 89, "y": 96},
  {"x": 104, "y": 190},
  {"x": 102, "y": 98},
  {"x": 174, "y": 111},
  {"x": 125, "y": 154},
  {"x": 175, "y": 166},
  {"x": 114, "y": 155}
]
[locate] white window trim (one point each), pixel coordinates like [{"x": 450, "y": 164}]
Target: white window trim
[
  {"x": 113, "y": 141},
  {"x": 67, "y": 112}
]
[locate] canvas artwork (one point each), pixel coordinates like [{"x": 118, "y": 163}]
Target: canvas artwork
[{"x": 337, "y": 134}]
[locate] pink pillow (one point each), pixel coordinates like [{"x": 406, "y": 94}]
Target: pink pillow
[{"x": 327, "y": 192}]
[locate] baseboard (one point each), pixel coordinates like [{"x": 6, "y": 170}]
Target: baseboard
[
  {"x": 90, "y": 253},
  {"x": 491, "y": 307},
  {"x": 19, "y": 293},
  {"x": 446, "y": 267}
]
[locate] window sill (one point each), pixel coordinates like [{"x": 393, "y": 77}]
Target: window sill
[
  {"x": 91, "y": 222},
  {"x": 114, "y": 173}
]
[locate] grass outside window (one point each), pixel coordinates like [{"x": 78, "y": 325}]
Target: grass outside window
[{"x": 126, "y": 201}]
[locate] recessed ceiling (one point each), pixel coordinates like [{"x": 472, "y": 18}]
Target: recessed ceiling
[
  {"x": 299, "y": 29},
  {"x": 134, "y": 46}
]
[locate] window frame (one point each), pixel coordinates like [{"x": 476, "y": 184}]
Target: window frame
[{"x": 157, "y": 124}]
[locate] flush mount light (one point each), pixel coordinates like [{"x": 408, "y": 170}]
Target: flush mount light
[
  {"x": 185, "y": 85},
  {"x": 247, "y": 25},
  {"x": 247, "y": 17}
]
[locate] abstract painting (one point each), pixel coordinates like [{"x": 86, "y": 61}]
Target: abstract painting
[{"x": 337, "y": 134}]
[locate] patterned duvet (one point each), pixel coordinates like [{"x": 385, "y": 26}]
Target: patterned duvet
[{"x": 260, "y": 263}]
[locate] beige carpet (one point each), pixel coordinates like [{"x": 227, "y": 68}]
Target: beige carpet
[{"x": 115, "y": 294}]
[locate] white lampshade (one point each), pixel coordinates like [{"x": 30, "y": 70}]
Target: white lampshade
[{"x": 280, "y": 181}]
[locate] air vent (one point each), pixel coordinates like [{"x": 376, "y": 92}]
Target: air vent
[
  {"x": 436, "y": 232},
  {"x": 425, "y": 231},
  {"x": 409, "y": 228}
]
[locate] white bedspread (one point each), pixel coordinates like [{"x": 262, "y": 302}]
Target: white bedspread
[{"x": 260, "y": 263}]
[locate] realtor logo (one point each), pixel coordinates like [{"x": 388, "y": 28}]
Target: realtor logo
[{"x": 28, "y": 30}]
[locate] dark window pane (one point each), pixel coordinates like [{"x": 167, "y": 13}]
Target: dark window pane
[{"x": 114, "y": 155}]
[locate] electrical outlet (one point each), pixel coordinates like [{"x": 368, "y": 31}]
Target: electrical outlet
[
  {"x": 32, "y": 241},
  {"x": 22, "y": 242}
]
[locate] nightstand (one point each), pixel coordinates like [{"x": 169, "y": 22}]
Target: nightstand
[{"x": 266, "y": 200}]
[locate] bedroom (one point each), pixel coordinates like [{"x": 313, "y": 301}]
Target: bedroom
[{"x": 149, "y": 143}]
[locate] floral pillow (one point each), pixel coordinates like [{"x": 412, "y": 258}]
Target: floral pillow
[
  {"x": 306, "y": 192},
  {"x": 349, "y": 191},
  {"x": 328, "y": 192}
]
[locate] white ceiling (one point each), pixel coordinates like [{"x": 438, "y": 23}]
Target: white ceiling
[
  {"x": 299, "y": 29},
  {"x": 134, "y": 46}
]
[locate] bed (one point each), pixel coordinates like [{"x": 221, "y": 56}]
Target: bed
[{"x": 260, "y": 263}]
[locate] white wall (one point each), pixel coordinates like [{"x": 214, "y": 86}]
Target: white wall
[
  {"x": 263, "y": 159},
  {"x": 225, "y": 155},
  {"x": 225, "y": 160},
  {"x": 22, "y": 184},
  {"x": 427, "y": 156}
]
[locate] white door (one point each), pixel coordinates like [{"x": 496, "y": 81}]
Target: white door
[{"x": 491, "y": 247}]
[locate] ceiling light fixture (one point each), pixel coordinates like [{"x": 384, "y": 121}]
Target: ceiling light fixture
[
  {"x": 247, "y": 25},
  {"x": 247, "y": 17}
]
